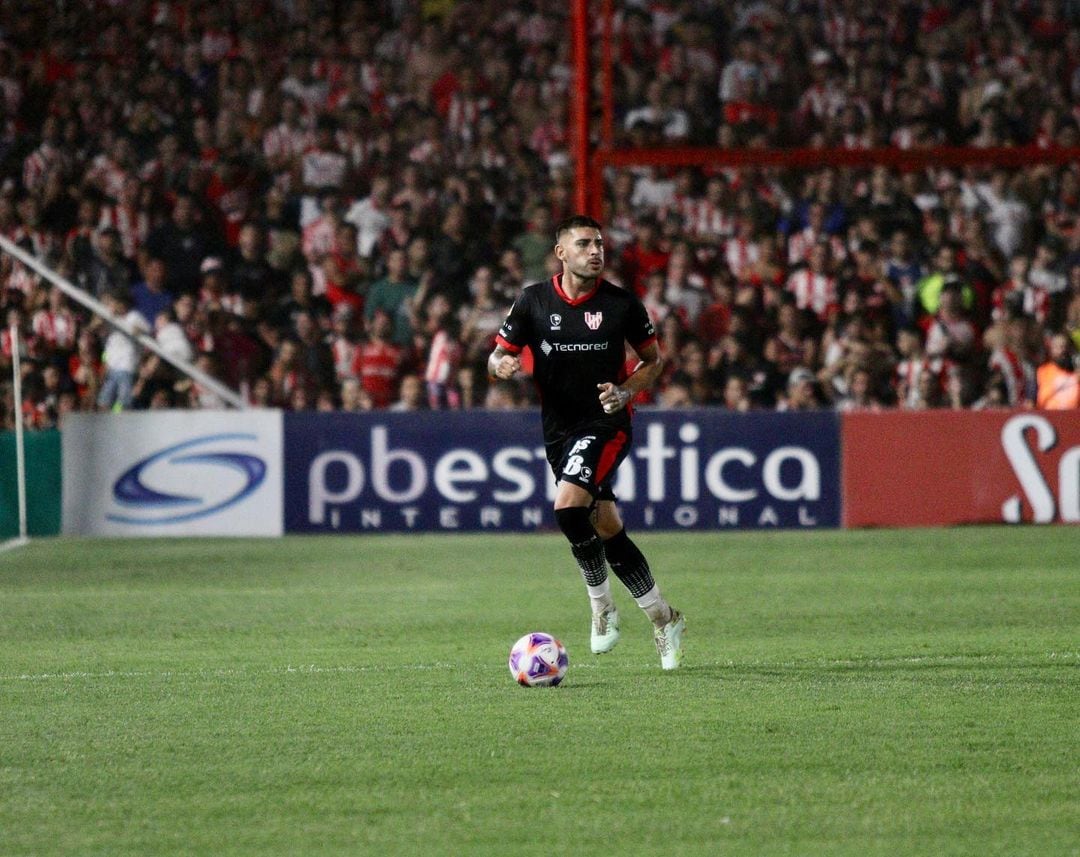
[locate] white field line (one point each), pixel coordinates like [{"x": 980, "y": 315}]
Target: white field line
[
  {"x": 11, "y": 544},
  {"x": 312, "y": 669}
]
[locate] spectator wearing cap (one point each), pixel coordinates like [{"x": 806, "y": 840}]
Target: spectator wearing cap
[{"x": 801, "y": 392}]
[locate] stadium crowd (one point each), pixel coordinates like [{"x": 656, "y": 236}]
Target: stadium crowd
[{"x": 332, "y": 205}]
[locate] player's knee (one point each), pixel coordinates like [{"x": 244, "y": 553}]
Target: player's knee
[
  {"x": 617, "y": 545},
  {"x": 575, "y": 524},
  {"x": 607, "y": 520}
]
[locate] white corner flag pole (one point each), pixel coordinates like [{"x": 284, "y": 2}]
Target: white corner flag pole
[{"x": 20, "y": 459}]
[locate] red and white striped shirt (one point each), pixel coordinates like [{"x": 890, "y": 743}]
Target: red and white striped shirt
[
  {"x": 107, "y": 175},
  {"x": 57, "y": 330},
  {"x": 816, "y": 292},
  {"x": 908, "y": 373},
  {"x": 707, "y": 221},
  {"x": 285, "y": 141},
  {"x": 1019, "y": 375},
  {"x": 37, "y": 164},
  {"x": 463, "y": 114},
  {"x": 801, "y": 243},
  {"x": 132, "y": 224},
  {"x": 740, "y": 254},
  {"x": 443, "y": 358},
  {"x": 343, "y": 351}
]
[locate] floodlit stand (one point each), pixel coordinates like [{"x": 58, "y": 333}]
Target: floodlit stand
[{"x": 20, "y": 452}]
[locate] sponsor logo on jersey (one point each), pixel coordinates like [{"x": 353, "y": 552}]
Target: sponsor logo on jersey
[
  {"x": 566, "y": 347},
  {"x": 556, "y": 321},
  {"x": 593, "y": 319}
]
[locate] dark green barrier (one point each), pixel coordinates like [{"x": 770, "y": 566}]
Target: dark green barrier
[{"x": 42, "y": 484}]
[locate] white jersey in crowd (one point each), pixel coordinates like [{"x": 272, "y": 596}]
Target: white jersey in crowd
[{"x": 122, "y": 353}]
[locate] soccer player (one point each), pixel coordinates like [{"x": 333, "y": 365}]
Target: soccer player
[{"x": 577, "y": 326}]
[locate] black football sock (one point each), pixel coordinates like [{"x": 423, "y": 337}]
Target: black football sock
[
  {"x": 631, "y": 567},
  {"x": 585, "y": 544}
]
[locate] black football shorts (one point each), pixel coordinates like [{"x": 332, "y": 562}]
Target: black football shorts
[{"x": 590, "y": 458}]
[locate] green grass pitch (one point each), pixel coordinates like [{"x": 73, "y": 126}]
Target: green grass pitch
[{"x": 862, "y": 693}]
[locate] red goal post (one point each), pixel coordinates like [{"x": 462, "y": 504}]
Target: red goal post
[
  {"x": 591, "y": 160},
  {"x": 591, "y": 187}
]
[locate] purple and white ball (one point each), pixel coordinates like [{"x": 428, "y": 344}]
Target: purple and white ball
[{"x": 538, "y": 660}]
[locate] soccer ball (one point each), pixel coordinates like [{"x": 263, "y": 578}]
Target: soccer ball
[{"x": 538, "y": 660}]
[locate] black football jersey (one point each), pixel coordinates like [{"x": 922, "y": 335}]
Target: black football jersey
[{"x": 576, "y": 345}]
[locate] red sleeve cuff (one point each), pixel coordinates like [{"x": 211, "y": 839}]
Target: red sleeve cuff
[{"x": 509, "y": 346}]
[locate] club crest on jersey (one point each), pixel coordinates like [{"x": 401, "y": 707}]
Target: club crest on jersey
[
  {"x": 556, "y": 321},
  {"x": 593, "y": 319}
]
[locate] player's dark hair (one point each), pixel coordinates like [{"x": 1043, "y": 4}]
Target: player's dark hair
[{"x": 574, "y": 222}]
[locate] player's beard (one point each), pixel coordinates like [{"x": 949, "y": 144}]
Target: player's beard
[{"x": 589, "y": 273}]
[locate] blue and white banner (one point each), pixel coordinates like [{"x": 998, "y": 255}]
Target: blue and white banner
[
  {"x": 173, "y": 473},
  {"x": 476, "y": 470}
]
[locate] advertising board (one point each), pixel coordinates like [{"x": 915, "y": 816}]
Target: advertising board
[
  {"x": 935, "y": 468},
  {"x": 198, "y": 473},
  {"x": 485, "y": 470}
]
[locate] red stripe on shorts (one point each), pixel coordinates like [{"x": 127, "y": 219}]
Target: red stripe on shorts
[{"x": 608, "y": 455}]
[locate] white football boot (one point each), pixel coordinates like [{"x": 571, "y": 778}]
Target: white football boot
[
  {"x": 669, "y": 641},
  {"x": 605, "y": 631}
]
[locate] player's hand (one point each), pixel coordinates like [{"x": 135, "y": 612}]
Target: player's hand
[
  {"x": 508, "y": 366},
  {"x": 613, "y": 398}
]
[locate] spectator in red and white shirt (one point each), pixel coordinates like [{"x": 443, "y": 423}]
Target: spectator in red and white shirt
[
  {"x": 813, "y": 286},
  {"x": 109, "y": 170},
  {"x": 285, "y": 143},
  {"x": 951, "y": 334},
  {"x": 323, "y": 168},
  {"x": 710, "y": 217},
  {"x": 801, "y": 244},
  {"x": 378, "y": 361},
  {"x": 55, "y": 324},
  {"x": 742, "y": 251},
  {"x": 127, "y": 216},
  {"x": 48, "y": 156}
]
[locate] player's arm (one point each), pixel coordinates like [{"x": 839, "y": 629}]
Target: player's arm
[
  {"x": 615, "y": 397},
  {"x": 503, "y": 364}
]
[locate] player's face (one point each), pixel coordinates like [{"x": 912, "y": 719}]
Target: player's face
[{"x": 581, "y": 250}]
